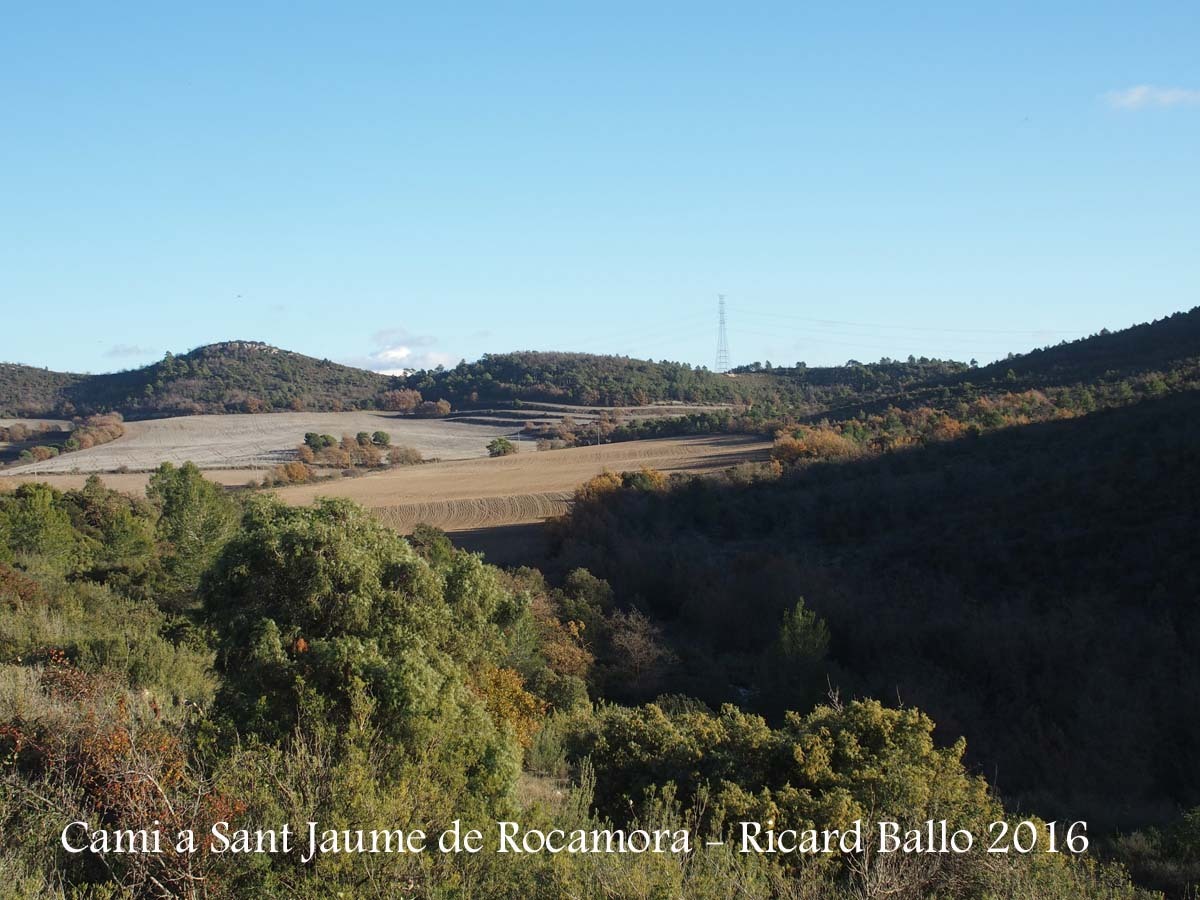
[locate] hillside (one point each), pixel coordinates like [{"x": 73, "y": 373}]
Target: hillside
[
  {"x": 581, "y": 378},
  {"x": 30, "y": 391},
  {"x": 1033, "y": 588},
  {"x": 229, "y": 377}
]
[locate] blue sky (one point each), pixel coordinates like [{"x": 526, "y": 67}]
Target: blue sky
[{"x": 392, "y": 184}]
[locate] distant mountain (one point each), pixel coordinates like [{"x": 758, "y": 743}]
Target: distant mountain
[{"x": 229, "y": 377}]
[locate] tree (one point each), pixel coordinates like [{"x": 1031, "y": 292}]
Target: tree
[
  {"x": 501, "y": 446},
  {"x": 319, "y": 442},
  {"x": 196, "y": 518},
  {"x": 791, "y": 672},
  {"x": 637, "y": 654},
  {"x": 403, "y": 400},
  {"x": 39, "y": 526},
  {"x": 381, "y": 438},
  {"x": 318, "y": 608}
]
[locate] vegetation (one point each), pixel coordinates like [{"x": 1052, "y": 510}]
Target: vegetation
[
  {"x": 501, "y": 446},
  {"x": 27, "y": 443},
  {"x": 580, "y": 378},
  {"x": 230, "y": 377},
  {"x": 1005, "y": 551},
  {"x": 1037, "y": 574},
  {"x": 890, "y": 404},
  {"x": 314, "y": 666}
]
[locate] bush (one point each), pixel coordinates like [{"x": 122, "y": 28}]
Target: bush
[
  {"x": 318, "y": 442},
  {"x": 431, "y": 410},
  {"x": 501, "y": 446},
  {"x": 404, "y": 456}
]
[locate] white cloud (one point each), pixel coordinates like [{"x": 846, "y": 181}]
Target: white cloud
[
  {"x": 397, "y": 352},
  {"x": 1146, "y": 96}
]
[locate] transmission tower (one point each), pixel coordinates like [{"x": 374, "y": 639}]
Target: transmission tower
[{"x": 722, "y": 340}]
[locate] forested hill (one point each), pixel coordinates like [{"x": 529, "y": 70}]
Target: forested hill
[
  {"x": 1153, "y": 346},
  {"x": 579, "y": 378},
  {"x": 229, "y": 377}
]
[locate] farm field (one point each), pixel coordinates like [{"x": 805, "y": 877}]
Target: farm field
[
  {"x": 474, "y": 494},
  {"x": 259, "y": 441}
]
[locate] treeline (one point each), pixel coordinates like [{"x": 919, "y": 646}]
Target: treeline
[{"x": 194, "y": 657}]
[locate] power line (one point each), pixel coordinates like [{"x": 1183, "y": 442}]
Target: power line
[{"x": 722, "y": 339}]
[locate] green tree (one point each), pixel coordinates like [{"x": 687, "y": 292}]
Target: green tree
[
  {"x": 195, "y": 520},
  {"x": 119, "y": 529},
  {"x": 791, "y": 671},
  {"x": 317, "y": 606},
  {"x": 41, "y": 535}
]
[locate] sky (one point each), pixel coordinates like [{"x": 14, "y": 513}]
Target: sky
[{"x": 398, "y": 185}]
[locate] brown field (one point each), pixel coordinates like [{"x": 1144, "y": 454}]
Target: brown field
[{"x": 466, "y": 495}]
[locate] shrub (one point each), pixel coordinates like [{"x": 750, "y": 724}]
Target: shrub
[
  {"x": 404, "y": 456},
  {"x": 501, "y": 446},
  {"x": 431, "y": 410},
  {"x": 400, "y": 401},
  {"x": 319, "y": 442}
]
